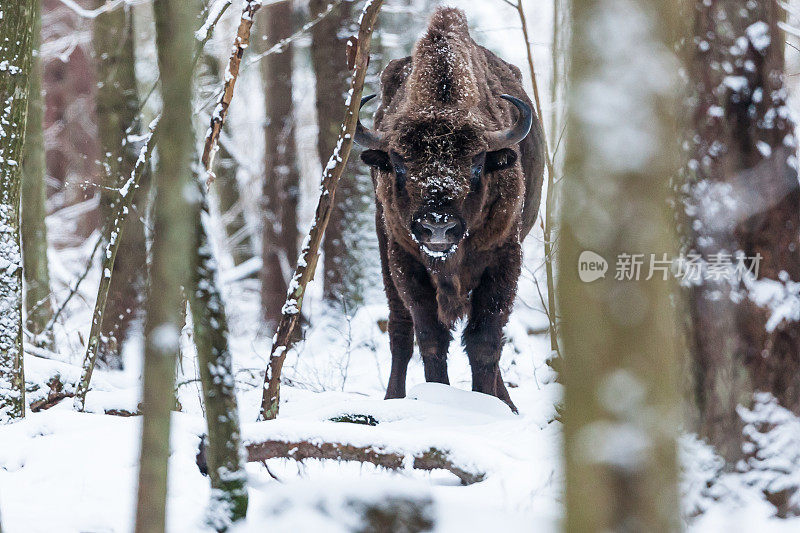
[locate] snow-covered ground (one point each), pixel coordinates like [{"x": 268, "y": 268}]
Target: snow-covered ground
[
  {"x": 76, "y": 472},
  {"x": 66, "y": 471}
]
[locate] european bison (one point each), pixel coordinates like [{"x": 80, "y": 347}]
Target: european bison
[{"x": 458, "y": 181}]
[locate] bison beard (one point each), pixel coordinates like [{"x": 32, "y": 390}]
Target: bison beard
[{"x": 458, "y": 181}]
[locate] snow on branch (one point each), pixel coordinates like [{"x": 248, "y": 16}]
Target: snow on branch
[
  {"x": 240, "y": 44},
  {"x": 120, "y": 215},
  {"x": 280, "y": 45},
  {"x": 309, "y": 254}
]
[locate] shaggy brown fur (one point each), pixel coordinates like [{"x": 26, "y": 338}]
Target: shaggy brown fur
[{"x": 437, "y": 108}]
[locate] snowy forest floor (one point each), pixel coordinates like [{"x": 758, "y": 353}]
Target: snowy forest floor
[
  {"x": 68, "y": 471},
  {"x": 76, "y": 472}
]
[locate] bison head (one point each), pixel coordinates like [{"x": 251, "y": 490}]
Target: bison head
[{"x": 439, "y": 170}]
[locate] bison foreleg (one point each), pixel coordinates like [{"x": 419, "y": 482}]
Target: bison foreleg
[
  {"x": 492, "y": 301},
  {"x": 401, "y": 343},
  {"x": 414, "y": 286},
  {"x": 433, "y": 339},
  {"x": 400, "y": 327}
]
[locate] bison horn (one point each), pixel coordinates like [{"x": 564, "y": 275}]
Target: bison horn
[
  {"x": 366, "y": 137},
  {"x": 505, "y": 138}
]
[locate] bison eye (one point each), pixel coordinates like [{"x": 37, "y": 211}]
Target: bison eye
[
  {"x": 478, "y": 164},
  {"x": 399, "y": 169},
  {"x": 400, "y": 173},
  {"x": 475, "y": 180}
]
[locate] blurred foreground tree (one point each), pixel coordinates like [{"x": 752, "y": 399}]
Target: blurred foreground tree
[
  {"x": 38, "y": 303},
  {"x": 117, "y": 110},
  {"x": 622, "y": 409},
  {"x": 173, "y": 248},
  {"x": 281, "y": 175},
  {"x": 744, "y": 210},
  {"x": 16, "y": 54}
]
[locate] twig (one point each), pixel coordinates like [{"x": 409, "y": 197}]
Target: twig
[
  {"x": 74, "y": 290},
  {"x": 549, "y": 199},
  {"x": 91, "y": 13},
  {"x": 309, "y": 254},
  {"x": 280, "y": 45},
  {"x": 208, "y": 26},
  {"x": 118, "y": 219},
  {"x": 276, "y": 48},
  {"x": 241, "y": 42}
]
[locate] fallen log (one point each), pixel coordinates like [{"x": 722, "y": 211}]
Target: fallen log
[{"x": 430, "y": 459}]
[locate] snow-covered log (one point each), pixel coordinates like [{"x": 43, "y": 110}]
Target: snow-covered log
[{"x": 430, "y": 459}]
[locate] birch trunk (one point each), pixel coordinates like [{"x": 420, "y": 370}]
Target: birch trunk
[
  {"x": 224, "y": 451},
  {"x": 16, "y": 52}
]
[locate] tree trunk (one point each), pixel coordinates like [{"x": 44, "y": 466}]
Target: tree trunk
[
  {"x": 16, "y": 52},
  {"x": 224, "y": 456},
  {"x": 744, "y": 199},
  {"x": 282, "y": 178},
  {"x": 38, "y": 304},
  {"x": 621, "y": 397},
  {"x": 72, "y": 150},
  {"x": 173, "y": 248},
  {"x": 117, "y": 106},
  {"x": 341, "y": 258}
]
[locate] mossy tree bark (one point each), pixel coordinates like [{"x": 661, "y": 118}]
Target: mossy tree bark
[
  {"x": 622, "y": 405},
  {"x": 117, "y": 106},
  {"x": 16, "y": 54},
  {"x": 281, "y": 175},
  {"x": 224, "y": 452},
  {"x": 174, "y": 245},
  {"x": 38, "y": 304}
]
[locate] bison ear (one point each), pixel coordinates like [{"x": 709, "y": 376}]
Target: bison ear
[
  {"x": 377, "y": 159},
  {"x": 500, "y": 159}
]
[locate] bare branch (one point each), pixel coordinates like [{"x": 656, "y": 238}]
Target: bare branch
[
  {"x": 550, "y": 198},
  {"x": 309, "y": 254},
  {"x": 241, "y": 42},
  {"x": 123, "y": 209},
  {"x": 280, "y": 45}
]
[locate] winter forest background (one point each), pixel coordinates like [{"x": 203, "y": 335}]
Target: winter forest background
[{"x": 645, "y": 405}]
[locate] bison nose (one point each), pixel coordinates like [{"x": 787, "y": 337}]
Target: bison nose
[{"x": 439, "y": 232}]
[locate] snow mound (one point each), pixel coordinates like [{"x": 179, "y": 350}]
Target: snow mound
[{"x": 474, "y": 402}]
